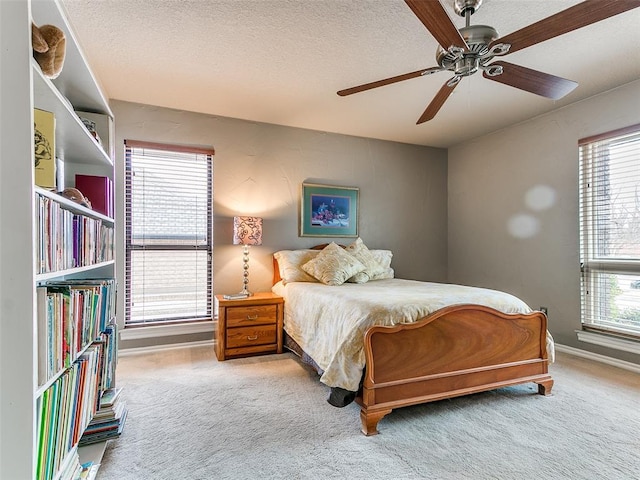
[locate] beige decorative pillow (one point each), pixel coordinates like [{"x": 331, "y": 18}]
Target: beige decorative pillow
[
  {"x": 333, "y": 265},
  {"x": 384, "y": 258},
  {"x": 372, "y": 266},
  {"x": 290, "y": 263},
  {"x": 360, "y": 277},
  {"x": 388, "y": 273}
]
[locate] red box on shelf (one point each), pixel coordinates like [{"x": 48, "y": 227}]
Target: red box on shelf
[{"x": 99, "y": 191}]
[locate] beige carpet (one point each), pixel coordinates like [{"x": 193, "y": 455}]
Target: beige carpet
[{"x": 192, "y": 417}]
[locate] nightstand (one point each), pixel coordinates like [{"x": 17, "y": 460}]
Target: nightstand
[{"x": 250, "y": 326}]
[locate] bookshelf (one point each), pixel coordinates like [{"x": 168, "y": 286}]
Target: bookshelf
[{"x": 32, "y": 379}]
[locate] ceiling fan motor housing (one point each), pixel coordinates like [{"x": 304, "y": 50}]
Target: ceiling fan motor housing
[{"x": 478, "y": 38}]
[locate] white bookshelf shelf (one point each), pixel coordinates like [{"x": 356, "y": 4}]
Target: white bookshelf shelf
[
  {"x": 74, "y": 143},
  {"x": 61, "y": 274},
  {"x": 73, "y": 206},
  {"x": 92, "y": 453}
]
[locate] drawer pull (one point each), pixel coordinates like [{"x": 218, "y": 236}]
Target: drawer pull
[
  {"x": 252, "y": 317},
  {"x": 252, "y": 337}
]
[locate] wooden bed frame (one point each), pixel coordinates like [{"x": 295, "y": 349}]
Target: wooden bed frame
[{"x": 455, "y": 351}]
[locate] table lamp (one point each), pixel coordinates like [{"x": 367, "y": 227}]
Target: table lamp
[{"x": 247, "y": 231}]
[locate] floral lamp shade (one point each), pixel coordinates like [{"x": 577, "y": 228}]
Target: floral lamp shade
[{"x": 247, "y": 231}]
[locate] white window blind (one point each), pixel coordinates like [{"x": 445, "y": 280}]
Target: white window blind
[
  {"x": 610, "y": 231},
  {"x": 168, "y": 233}
]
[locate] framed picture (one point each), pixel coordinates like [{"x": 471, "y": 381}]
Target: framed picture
[{"x": 328, "y": 211}]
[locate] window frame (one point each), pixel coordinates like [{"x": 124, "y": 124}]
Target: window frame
[
  {"x": 592, "y": 263},
  {"x": 131, "y": 246}
]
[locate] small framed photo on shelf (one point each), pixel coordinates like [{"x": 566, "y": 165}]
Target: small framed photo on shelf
[{"x": 328, "y": 211}]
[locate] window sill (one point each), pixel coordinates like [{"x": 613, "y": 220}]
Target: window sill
[
  {"x": 166, "y": 330},
  {"x": 609, "y": 341}
]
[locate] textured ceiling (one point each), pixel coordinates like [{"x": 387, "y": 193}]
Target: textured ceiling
[{"x": 282, "y": 61}]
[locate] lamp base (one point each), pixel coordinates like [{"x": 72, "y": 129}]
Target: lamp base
[{"x": 245, "y": 275}]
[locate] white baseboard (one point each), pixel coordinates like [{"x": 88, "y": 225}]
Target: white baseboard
[
  {"x": 125, "y": 352},
  {"x": 634, "y": 367}
]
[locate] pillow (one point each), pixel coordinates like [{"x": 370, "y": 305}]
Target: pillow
[
  {"x": 333, "y": 265},
  {"x": 387, "y": 273},
  {"x": 290, "y": 263},
  {"x": 384, "y": 258},
  {"x": 372, "y": 266}
]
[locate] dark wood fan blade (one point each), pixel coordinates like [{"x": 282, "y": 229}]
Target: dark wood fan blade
[
  {"x": 532, "y": 81},
  {"x": 433, "y": 15},
  {"x": 437, "y": 102},
  {"x": 578, "y": 16},
  {"x": 388, "y": 81}
]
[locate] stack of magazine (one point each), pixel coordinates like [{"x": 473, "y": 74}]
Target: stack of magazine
[{"x": 108, "y": 421}]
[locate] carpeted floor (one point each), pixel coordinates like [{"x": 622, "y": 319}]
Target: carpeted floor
[{"x": 192, "y": 417}]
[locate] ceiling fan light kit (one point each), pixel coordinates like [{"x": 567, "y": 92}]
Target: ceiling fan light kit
[{"x": 471, "y": 48}]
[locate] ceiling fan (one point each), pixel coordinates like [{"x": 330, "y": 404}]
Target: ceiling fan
[{"x": 467, "y": 50}]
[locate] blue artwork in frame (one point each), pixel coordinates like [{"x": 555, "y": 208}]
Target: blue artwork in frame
[{"x": 328, "y": 211}]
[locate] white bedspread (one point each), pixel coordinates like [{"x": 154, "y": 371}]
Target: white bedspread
[{"x": 329, "y": 322}]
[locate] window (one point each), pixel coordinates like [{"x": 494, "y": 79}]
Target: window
[
  {"x": 168, "y": 234},
  {"x": 610, "y": 231}
]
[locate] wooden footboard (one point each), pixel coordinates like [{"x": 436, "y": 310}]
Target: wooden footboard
[{"x": 455, "y": 351}]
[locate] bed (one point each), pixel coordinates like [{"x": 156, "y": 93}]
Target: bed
[{"x": 390, "y": 342}]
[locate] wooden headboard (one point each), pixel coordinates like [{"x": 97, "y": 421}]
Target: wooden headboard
[
  {"x": 276, "y": 267},
  {"x": 276, "y": 271}
]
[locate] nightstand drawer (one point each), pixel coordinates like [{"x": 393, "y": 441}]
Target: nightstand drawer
[
  {"x": 248, "y": 336},
  {"x": 249, "y": 326},
  {"x": 251, "y": 315}
]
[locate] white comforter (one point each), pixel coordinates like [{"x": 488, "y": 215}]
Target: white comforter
[{"x": 329, "y": 322}]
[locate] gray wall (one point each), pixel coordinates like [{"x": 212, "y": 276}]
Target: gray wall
[
  {"x": 259, "y": 169},
  {"x": 513, "y": 208}
]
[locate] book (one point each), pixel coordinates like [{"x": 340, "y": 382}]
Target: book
[
  {"x": 235, "y": 296},
  {"x": 52, "y": 426},
  {"x": 101, "y": 436},
  {"x": 44, "y": 334},
  {"x": 99, "y": 191},
  {"x": 44, "y": 144},
  {"x": 42, "y": 432},
  {"x": 109, "y": 397},
  {"x": 89, "y": 470}
]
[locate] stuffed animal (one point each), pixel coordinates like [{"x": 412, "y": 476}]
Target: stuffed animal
[
  {"x": 48, "y": 44},
  {"x": 75, "y": 195}
]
